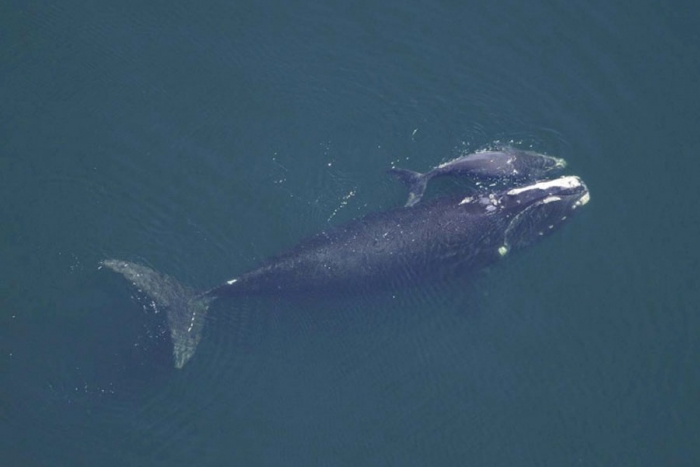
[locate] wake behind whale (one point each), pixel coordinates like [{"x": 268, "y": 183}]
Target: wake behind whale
[{"x": 440, "y": 238}]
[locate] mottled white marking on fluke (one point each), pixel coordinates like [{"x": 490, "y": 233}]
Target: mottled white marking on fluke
[{"x": 185, "y": 309}]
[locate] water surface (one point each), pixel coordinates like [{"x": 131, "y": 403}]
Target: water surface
[{"x": 202, "y": 138}]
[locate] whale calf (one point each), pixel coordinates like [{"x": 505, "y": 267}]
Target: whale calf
[
  {"x": 506, "y": 164},
  {"x": 440, "y": 238}
]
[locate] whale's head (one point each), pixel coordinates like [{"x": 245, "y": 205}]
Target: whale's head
[
  {"x": 534, "y": 166},
  {"x": 538, "y": 209}
]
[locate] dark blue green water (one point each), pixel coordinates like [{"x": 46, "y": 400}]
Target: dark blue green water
[{"x": 202, "y": 138}]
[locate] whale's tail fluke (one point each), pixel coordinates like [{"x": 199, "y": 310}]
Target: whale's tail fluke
[
  {"x": 185, "y": 308},
  {"x": 416, "y": 182}
]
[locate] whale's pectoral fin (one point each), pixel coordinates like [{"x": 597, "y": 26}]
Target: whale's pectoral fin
[
  {"x": 417, "y": 182},
  {"x": 185, "y": 309}
]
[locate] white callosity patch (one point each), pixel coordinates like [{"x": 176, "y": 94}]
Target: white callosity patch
[
  {"x": 559, "y": 163},
  {"x": 551, "y": 199},
  {"x": 583, "y": 200},
  {"x": 489, "y": 202},
  {"x": 563, "y": 182}
]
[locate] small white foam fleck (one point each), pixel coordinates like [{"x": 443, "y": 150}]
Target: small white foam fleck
[
  {"x": 343, "y": 203},
  {"x": 232, "y": 281},
  {"x": 466, "y": 200},
  {"x": 191, "y": 322},
  {"x": 503, "y": 250}
]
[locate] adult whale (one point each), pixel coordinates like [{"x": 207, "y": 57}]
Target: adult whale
[
  {"x": 507, "y": 164},
  {"x": 439, "y": 238}
]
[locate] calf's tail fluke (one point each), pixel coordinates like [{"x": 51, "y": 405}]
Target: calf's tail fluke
[
  {"x": 185, "y": 309},
  {"x": 415, "y": 181}
]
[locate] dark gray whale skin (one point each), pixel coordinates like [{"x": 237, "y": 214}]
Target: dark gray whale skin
[
  {"x": 507, "y": 164},
  {"x": 437, "y": 239}
]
